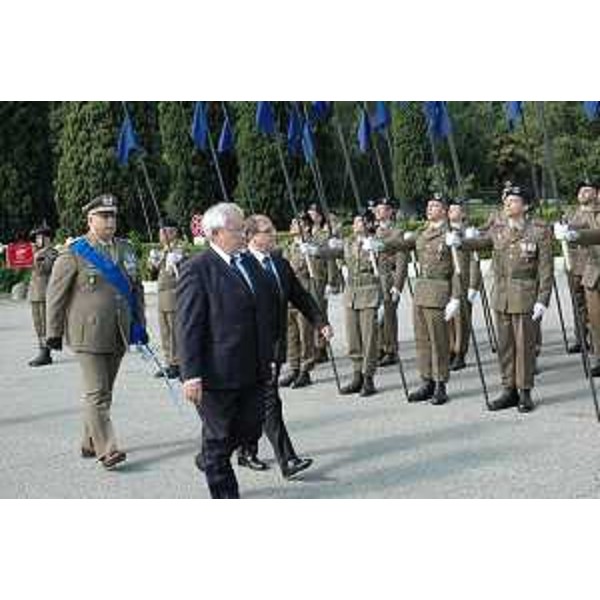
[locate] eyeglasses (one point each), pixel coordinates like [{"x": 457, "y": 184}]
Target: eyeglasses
[{"x": 270, "y": 230}]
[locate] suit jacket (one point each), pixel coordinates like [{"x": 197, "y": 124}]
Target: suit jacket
[
  {"x": 291, "y": 291},
  {"x": 82, "y": 304},
  {"x": 224, "y": 330}
]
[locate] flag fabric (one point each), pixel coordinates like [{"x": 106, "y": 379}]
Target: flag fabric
[
  {"x": 592, "y": 110},
  {"x": 364, "y": 132},
  {"x": 265, "y": 119},
  {"x": 294, "y": 132},
  {"x": 514, "y": 113},
  {"x": 127, "y": 142},
  {"x": 226, "y": 138},
  {"x": 438, "y": 119},
  {"x": 321, "y": 110},
  {"x": 200, "y": 127},
  {"x": 308, "y": 144},
  {"x": 382, "y": 118}
]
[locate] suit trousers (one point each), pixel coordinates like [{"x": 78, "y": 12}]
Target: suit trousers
[
  {"x": 433, "y": 347},
  {"x": 274, "y": 425},
  {"x": 38, "y": 314},
  {"x": 166, "y": 323},
  {"x": 516, "y": 349},
  {"x": 230, "y": 419},
  {"x": 99, "y": 373}
]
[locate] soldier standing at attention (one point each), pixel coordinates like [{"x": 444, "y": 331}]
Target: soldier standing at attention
[
  {"x": 95, "y": 298},
  {"x": 436, "y": 301},
  {"x": 301, "y": 334},
  {"x": 43, "y": 260},
  {"x": 164, "y": 264},
  {"x": 523, "y": 269},
  {"x": 470, "y": 283}
]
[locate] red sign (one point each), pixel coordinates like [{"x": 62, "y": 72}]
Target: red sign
[
  {"x": 196, "y": 226},
  {"x": 19, "y": 255}
]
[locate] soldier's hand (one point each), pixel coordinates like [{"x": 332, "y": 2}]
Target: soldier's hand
[
  {"x": 54, "y": 343},
  {"x": 327, "y": 332},
  {"x": 472, "y": 295},
  {"x": 453, "y": 239},
  {"x": 335, "y": 243},
  {"x": 192, "y": 391},
  {"x": 372, "y": 245},
  {"x": 308, "y": 249},
  {"x": 538, "y": 311},
  {"x": 471, "y": 233},
  {"x": 395, "y": 294},
  {"x": 451, "y": 309}
]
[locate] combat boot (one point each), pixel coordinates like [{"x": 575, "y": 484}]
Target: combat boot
[
  {"x": 301, "y": 381},
  {"x": 43, "y": 358},
  {"x": 355, "y": 385},
  {"x": 368, "y": 387},
  {"x": 287, "y": 380},
  {"x": 423, "y": 393},
  {"x": 507, "y": 399},
  {"x": 525, "y": 402},
  {"x": 458, "y": 363},
  {"x": 440, "y": 396}
]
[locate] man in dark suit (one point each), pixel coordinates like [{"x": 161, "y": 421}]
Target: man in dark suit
[
  {"x": 261, "y": 238},
  {"x": 224, "y": 332}
]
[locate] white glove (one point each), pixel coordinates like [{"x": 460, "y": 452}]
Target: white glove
[
  {"x": 172, "y": 259},
  {"x": 453, "y": 239},
  {"x": 380, "y": 314},
  {"x": 154, "y": 257},
  {"x": 335, "y": 243},
  {"x": 328, "y": 291},
  {"x": 560, "y": 231},
  {"x": 451, "y": 309},
  {"x": 471, "y": 233},
  {"x": 372, "y": 245},
  {"x": 307, "y": 249},
  {"x": 472, "y": 295},
  {"x": 538, "y": 311},
  {"x": 344, "y": 270},
  {"x": 395, "y": 294}
]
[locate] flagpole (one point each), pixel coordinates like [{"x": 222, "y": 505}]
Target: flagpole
[{"x": 144, "y": 210}]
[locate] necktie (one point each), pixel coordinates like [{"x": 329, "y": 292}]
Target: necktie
[
  {"x": 271, "y": 271},
  {"x": 237, "y": 264}
]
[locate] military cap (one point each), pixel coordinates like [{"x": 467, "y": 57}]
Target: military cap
[
  {"x": 585, "y": 183},
  {"x": 439, "y": 197},
  {"x": 383, "y": 201},
  {"x": 168, "y": 223},
  {"x": 456, "y": 202},
  {"x": 103, "y": 203},
  {"x": 517, "y": 190},
  {"x": 314, "y": 206},
  {"x": 305, "y": 219},
  {"x": 43, "y": 229}
]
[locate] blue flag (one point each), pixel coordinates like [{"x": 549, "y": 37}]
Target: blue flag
[
  {"x": 127, "y": 142},
  {"x": 226, "y": 138},
  {"x": 382, "y": 117},
  {"x": 364, "y": 132},
  {"x": 592, "y": 110},
  {"x": 200, "y": 127},
  {"x": 265, "y": 119},
  {"x": 514, "y": 113},
  {"x": 308, "y": 144},
  {"x": 321, "y": 110},
  {"x": 294, "y": 132},
  {"x": 438, "y": 119}
]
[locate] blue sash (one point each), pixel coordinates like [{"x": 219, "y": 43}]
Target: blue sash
[{"x": 113, "y": 275}]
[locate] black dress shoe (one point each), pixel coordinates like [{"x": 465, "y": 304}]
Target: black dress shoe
[
  {"x": 595, "y": 370},
  {"x": 354, "y": 386},
  {"x": 387, "y": 360},
  {"x": 574, "y": 348},
  {"x": 252, "y": 462},
  {"x": 301, "y": 381},
  {"x": 287, "y": 380},
  {"x": 199, "y": 460},
  {"x": 423, "y": 393},
  {"x": 368, "y": 387},
  {"x": 525, "y": 402},
  {"x": 440, "y": 396},
  {"x": 507, "y": 399},
  {"x": 458, "y": 363},
  {"x": 294, "y": 466},
  {"x": 87, "y": 452}
]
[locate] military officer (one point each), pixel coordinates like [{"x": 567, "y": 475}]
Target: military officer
[
  {"x": 43, "y": 261},
  {"x": 470, "y": 283},
  {"x": 95, "y": 299},
  {"x": 523, "y": 273},
  {"x": 164, "y": 265},
  {"x": 301, "y": 351},
  {"x": 437, "y": 299},
  {"x": 582, "y": 216}
]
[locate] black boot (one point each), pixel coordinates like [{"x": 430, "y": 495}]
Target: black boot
[
  {"x": 595, "y": 370},
  {"x": 458, "y": 363},
  {"x": 525, "y": 402},
  {"x": 423, "y": 393},
  {"x": 355, "y": 385},
  {"x": 574, "y": 348},
  {"x": 387, "y": 360},
  {"x": 368, "y": 387},
  {"x": 507, "y": 399},
  {"x": 440, "y": 396},
  {"x": 302, "y": 380},
  {"x": 43, "y": 358},
  {"x": 287, "y": 380}
]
